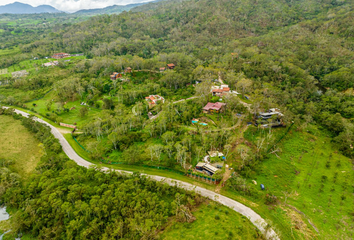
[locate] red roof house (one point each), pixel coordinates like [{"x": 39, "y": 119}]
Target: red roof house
[
  {"x": 213, "y": 107},
  {"x": 60, "y": 55},
  {"x": 171, "y": 66},
  {"x": 154, "y": 99},
  {"x": 223, "y": 90}
]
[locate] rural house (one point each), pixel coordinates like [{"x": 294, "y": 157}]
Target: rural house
[
  {"x": 115, "y": 76},
  {"x": 128, "y": 70},
  {"x": 162, "y": 69},
  {"x": 60, "y": 55},
  {"x": 207, "y": 168},
  {"x": 154, "y": 99},
  {"x": 214, "y": 107},
  {"x": 220, "y": 91},
  {"x": 271, "y": 112},
  {"x": 171, "y": 66}
]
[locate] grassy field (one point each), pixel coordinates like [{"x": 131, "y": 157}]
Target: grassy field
[
  {"x": 4, "y": 52},
  {"x": 70, "y": 117},
  {"x": 31, "y": 65},
  {"x": 214, "y": 221},
  {"x": 18, "y": 145},
  {"x": 310, "y": 175}
]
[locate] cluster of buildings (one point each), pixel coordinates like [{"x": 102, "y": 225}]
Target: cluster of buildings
[
  {"x": 206, "y": 168},
  {"x": 169, "y": 66},
  {"x": 117, "y": 75},
  {"x": 66, "y": 55},
  {"x": 154, "y": 99},
  {"x": 61, "y": 55},
  {"x": 222, "y": 90},
  {"x": 274, "y": 114}
]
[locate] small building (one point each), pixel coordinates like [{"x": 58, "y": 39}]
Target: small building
[
  {"x": 60, "y": 55},
  {"x": 162, "y": 69},
  {"x": 115, "y": 76},
  {"x": 214, "y": 107},
  {"x": 171, "y": 66},
  {"x": 271, "y": 112},
  {"x": 220, "y": 91},
  {"x": 234, "y": 55},
  {"x": 207, "y": 168},
  {"x": 211, "y": 170},
  {"x": 200, "y": 166},
  {"x": 154, "y": 99},
  {"x": 128, "y": 70}
]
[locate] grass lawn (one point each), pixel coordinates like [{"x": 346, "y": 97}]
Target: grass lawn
[
  {"x": 70, "y": 117},
  {"x": 19, "y": 145},
  {"x": 214, "y": 221}
]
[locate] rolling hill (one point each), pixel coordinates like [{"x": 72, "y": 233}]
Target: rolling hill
[{"x": 21, "y": 8}]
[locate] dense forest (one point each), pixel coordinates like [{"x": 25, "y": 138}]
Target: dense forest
[{"x": 296, "y": 56}]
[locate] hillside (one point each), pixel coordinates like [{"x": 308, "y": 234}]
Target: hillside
[
  {"x": 141, "y": 96},
  {"x": 115, "y": 9},
  {"x": 22, "y": 8}
]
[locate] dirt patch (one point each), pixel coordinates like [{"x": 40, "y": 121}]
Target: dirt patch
[{"x": 298, "y": 223}]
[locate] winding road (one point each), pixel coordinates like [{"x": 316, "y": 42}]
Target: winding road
[{"x": 256, "y": 219}]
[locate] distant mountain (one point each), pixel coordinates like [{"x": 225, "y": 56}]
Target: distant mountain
[
  {"x": 108, "y": 10},
  {"x": 21, "y": 8}
]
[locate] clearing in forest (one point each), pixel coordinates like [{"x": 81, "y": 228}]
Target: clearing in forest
[
  {"x": 213, "y": 221},
  {"x": 18, "y": 145}
]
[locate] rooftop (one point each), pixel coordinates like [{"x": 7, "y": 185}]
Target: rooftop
[{"x": 214, "y": 106}]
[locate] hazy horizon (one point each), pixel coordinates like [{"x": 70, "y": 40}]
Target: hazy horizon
[{"x": 74, "y": 5}]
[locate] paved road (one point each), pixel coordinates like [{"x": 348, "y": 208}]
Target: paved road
[{"x": 256, "y": 219}]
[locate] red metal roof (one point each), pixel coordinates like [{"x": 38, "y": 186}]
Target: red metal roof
[
  {"x": 217, "y": 90},
  {"x": 213, "y": 106}
]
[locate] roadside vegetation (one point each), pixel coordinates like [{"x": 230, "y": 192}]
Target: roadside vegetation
[
  {"x": 294, "y": 57},
  {"x": 130, "y": 206}
]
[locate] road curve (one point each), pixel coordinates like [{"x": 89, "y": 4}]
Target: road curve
[{"x": 256, "y": 219}]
